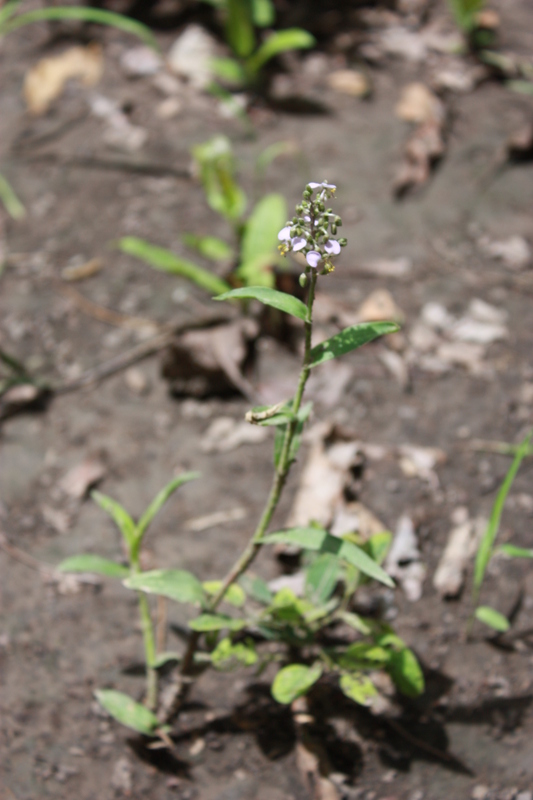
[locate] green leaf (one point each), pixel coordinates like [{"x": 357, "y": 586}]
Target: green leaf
[
  {"x": 209, "y": 246},
  {"x": 378, "y": 546},
  {"x": 350, "y": 339},
  {"x": 216, "y": 622},
  {"x": 118, "y": 514},
  {"x": 239, "y": 27},
  {"x": 272, "y": 152},
  {"x": 217, "y": 172},
  {"x": 163, "y": 658},
  {"x": 294, "y": 681},
  {"x": 516, "y": 552},
  {"x": 260, "y": 237},
  {"x": 235, "y": 594},
  {"x": 321, "y": 578},
  {"x": 126, "y": 711},
  {"x": 465, "y": 12},
  {"x": 227, "y": 655},
  {"x": 7, "y": 11},
  {"x": 405, "y": 671},
  {"x": 270, "y": 297},
  {"x": 161, "y": 498},
  {"x": 93, "y": 563},
  {"x": 176, "y": 584},
  {"x": 485, "y": 549},
  {"x": 83, "y": 14},
  {"x": 319, "y": 539},
  {"x": 362, "y": 656},
  {"x": 521, "y": 87},
  {"x": 10, "y": 200},
  {"x": 492, "y": 618},
  {"x": 162, "y": 259},
  {"x": 263, "y": 13},
  {"x": 358, "y": 687},
  {"x": 279, "y": 42},
  {"x": 256, "y": 588},
  {"x": 356, "y": 622},
  {"x": 228, "y": 70}
]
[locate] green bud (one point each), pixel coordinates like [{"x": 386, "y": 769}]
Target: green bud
[
  {"x": 295, "y": 220},
  {"x": 334, "y": 229},
  {"x": 302, "y": 280},
  {"x": 338, "y": 222},
  {"x": 321, "y": 206},
  {"x": 343, "y": 242}
]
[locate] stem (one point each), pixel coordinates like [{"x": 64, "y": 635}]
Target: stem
[
  {"x": 148, "y": 637},
  {"x": 280, "y": 476}
]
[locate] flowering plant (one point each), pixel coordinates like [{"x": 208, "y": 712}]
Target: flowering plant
[{"x": 334, "y": 569}]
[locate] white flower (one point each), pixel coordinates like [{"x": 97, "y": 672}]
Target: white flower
[
  {"x": 298, "y": 243},
  {"x": 323, "y": 185},
  {"x": 332, "y": 247},
  {"x": 285, "y": 234},
  {"x": 313, "y": 259}
]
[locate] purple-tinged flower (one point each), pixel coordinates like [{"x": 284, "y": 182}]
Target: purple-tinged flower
[
  {"x": 307, "y": 218},
  {"x": 285, "y": 234},
  {"x": 313, "y": 259},
  {"x": 332, "y": 247},
  {"x": 323, "y": 185},
  {"x": 298, "y": 243}
]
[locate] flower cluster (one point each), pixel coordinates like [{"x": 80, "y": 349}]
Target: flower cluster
[{"x": 313, "y": 229}]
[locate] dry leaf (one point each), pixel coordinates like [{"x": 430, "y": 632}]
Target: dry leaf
[
  {"x": 225, "y": 434},
  {"x": 82, "y": 477},
  {"x": 462, "y": 543},
  {"x": 422, "y": 151},
  {"x": 417, "y": 103},
  {"x": 349, "y": 81},
  {"x": 403, "y": 560},
  {"x": 86, "y": 270},
  {"x": 379, "y": 305},
  {"x": 46, "y": 80}
]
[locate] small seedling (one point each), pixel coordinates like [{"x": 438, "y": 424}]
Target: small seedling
[
  {"x": 487, "y": 549},
  {"x": 254, "y": 250},
  {"x": 239, "y": 613}
]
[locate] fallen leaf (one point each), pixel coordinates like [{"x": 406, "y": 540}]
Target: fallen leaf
[
  {"x": 136, "y": 381},
  {"x": 379, "y": 305},
  {"x": 59, "y": 520},
  {"x": 403, "y": 561},
  {"x": 420, "y": 462},
  {"x": 86, "y": 270},
  {"x": 191, "y": 54},
  {"x": 349, "y": 81},
  {"x": 78, "y": 480},
  {"x": 418, "y": 103},
  {"x": 46, "y": 80},
  {"x": 397, "y": 367},
  {"x": 225, "y": 434},
  {"x": 463, "y": 541},
  {"x": 514, "y": 252},
  {"x": 422, "y": 151},
  {"x": 355, "y": 517},
  {"x": 519, "y": 146},
  {"x": 387, "y": 268}
]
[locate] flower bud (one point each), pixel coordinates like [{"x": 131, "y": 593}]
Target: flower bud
[
  {"x": 302, "y": 280},
  {"x": 334, "y": 229},
  {"x": 343, "y": 242}
]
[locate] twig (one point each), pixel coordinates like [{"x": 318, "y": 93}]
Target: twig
[{"x": 114, "y": 165}]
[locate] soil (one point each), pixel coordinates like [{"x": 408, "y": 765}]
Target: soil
[{"x": 474, "y": 725}]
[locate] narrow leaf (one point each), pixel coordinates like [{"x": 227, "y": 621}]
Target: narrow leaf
[
  {"x": 162, "y": 259},
  {"x": 126, "y": 711},
  {"x": 516, "y": 552},
  {"x": 279, "y": 42},
  {"x": 492, "y": 618},
  {"x": 358, "y": 688},
  {"x": 256, "y": 588},
  {"x": 228, "y": 70},
  {"x": 321, "y": 578},
  {"x": 263, "y": 13},
  {"x": 216, "y": 164},
  {"x": 176, "y": 584},
  {"x": 209, "y": 246},
  {"x": 235, "y": 595},
  {"x": 93, "y": 563},
  {"x": 294, "y": 681},
  {"x": 118, "y": 514},
  {"x": 10, "y": 200},
  {"x": 161, "y": 498},
  {"x": 406, "y": 672},
  {"x": 350, "y": 339},
  {"x": 239, "y": 27},
  {"x": 484, "y": 552},
  {"x": 270, "y": 297},
  {"x": 216, "y": 622}
]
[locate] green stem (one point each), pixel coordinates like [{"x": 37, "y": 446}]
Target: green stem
[
  {"x": 148, "y": 637},
  {"x": 280, "y": 476}
]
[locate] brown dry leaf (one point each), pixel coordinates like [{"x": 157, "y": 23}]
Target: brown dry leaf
[
  {"x": 463, "y": 542},
  {"x": 86, "y": 270},
  {"x": 350, "y": 81},
  {"x": 356, "y": 517},
  {"x": 417, "y": 103},
  {"x": 422, "y": 151},
  {"x": 379, "y": 305},
  {"x": 225, "y": 434},
  {"x": 80, "y": 478},
  {"x": 46, "y": 80}
]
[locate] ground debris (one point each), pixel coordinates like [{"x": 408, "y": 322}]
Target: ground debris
[
  {"x": 140, "y": 62},
  {"x": 191, "y": 54},
  {"x": 350, "y": 81},
  {"x": 420, "y": 462},
  {"x": 418, "y": 103},
  {"x": 45, "y": 81},
  {"x": 225, "y": 434},
  {"x": 423, "y": 149},
  {"x": 514, "y": 252},
  {"x": 403, "y": 561},
  {"x": 463, "y": 541},
  {"x": 379, "y": 305},
  {"x": 121, "y": 777},
  {"x": 78, "y": 480}
]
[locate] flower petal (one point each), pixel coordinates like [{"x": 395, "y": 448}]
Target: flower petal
[
  {"x": 314, "y": 185},
  {"x": 298, "y": 243},
  {"x": 285, "y": 234},
  {"x": 330, "y": 186},
  {"x": 313, "y": 259},
  {"x": 332, "y": 247}
]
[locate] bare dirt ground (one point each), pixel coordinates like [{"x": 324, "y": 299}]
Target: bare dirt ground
[{"x": 473, "y": 727}]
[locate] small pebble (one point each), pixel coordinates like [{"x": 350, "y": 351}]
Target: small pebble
[{"x": 480, "y": 792}]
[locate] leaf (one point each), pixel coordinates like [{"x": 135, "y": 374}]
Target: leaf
[
  {"x": 118, "y": 514},
  {"x": 319, "y": 539},
  {"x": 516, "y": 552},
  {"x": 358, "y": 687},
  {"x": 161, "y": 498},
  {"x": 263, "y": 13},
  {"x": 176, "y": 584},
  {"x": 356, "y": 622},
  {"x": 217, "y": 172},
  {"x": 12, "y": 204},
  {"x": 163, "y": 658},
  {"x": 270, "y": 297},
  {"x": 294, "y": 681},
  {"x": 378, "y": 546},
  {"x": 235, "y": 594},
  {"x": 465, "y": 12},
  {"x": 289, "y": 39},
  {"x": 260, "y": 237},
  {"x": 226, "y": 654},
  {"x": 484, "y": 552},
  {"x": 162, "y": 259},
  {"x": 405, "y": 671},
  {"x": 228, "y": 70},
  {"x": 361, "y": 655},
  {"x": 93, "y": 563},
  {"x": 492, "y": 618},
  {"x": 125, "y": 710},
  {"x": 239, "y": 27},
  {"x": 83, "y": 14},
  {"x": 321, "y": 578},
  {"x": 209, "y": 246},
  {"x": 7, "y": 10},
  {"x": 216, "y": 622},
  {"x": 350, "y": 339},
  {"x": 272, "y": 152},
  {"x": 256, "y": 588}
]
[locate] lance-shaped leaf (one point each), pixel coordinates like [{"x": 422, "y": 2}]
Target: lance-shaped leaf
[
  {"x": 516, "y": 552},
  {"x": 294, "y": 681},
  {"x": 269, "y": 297},
  {"x": 216, "y": 622},
  {"x": 10, "y": 200},
  {"x": 162, "y": 259},
  {"x": 93, "y": 563},
  {"x": 321, "y": 578},
  {"x": 125, "y": 710},
  {"x": 209, "y": 246},
  {"x": 260, "y": 239},
  {"x": 358, "y": 687},
  {"x": 256, "y": 588},
  {"x": 279, "y": 42},
  {"x": 176, "y": 584},
  {"x": 239, "y": 27},
  {"x": 406, "y": 672},
  {"x": 350, "y": 339},
  {"x": 161, "y": 498},
  {"x": 489, "y": 616},
  {"x": 118, "y": 514},
  {"x": 319, "y": 539}
]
